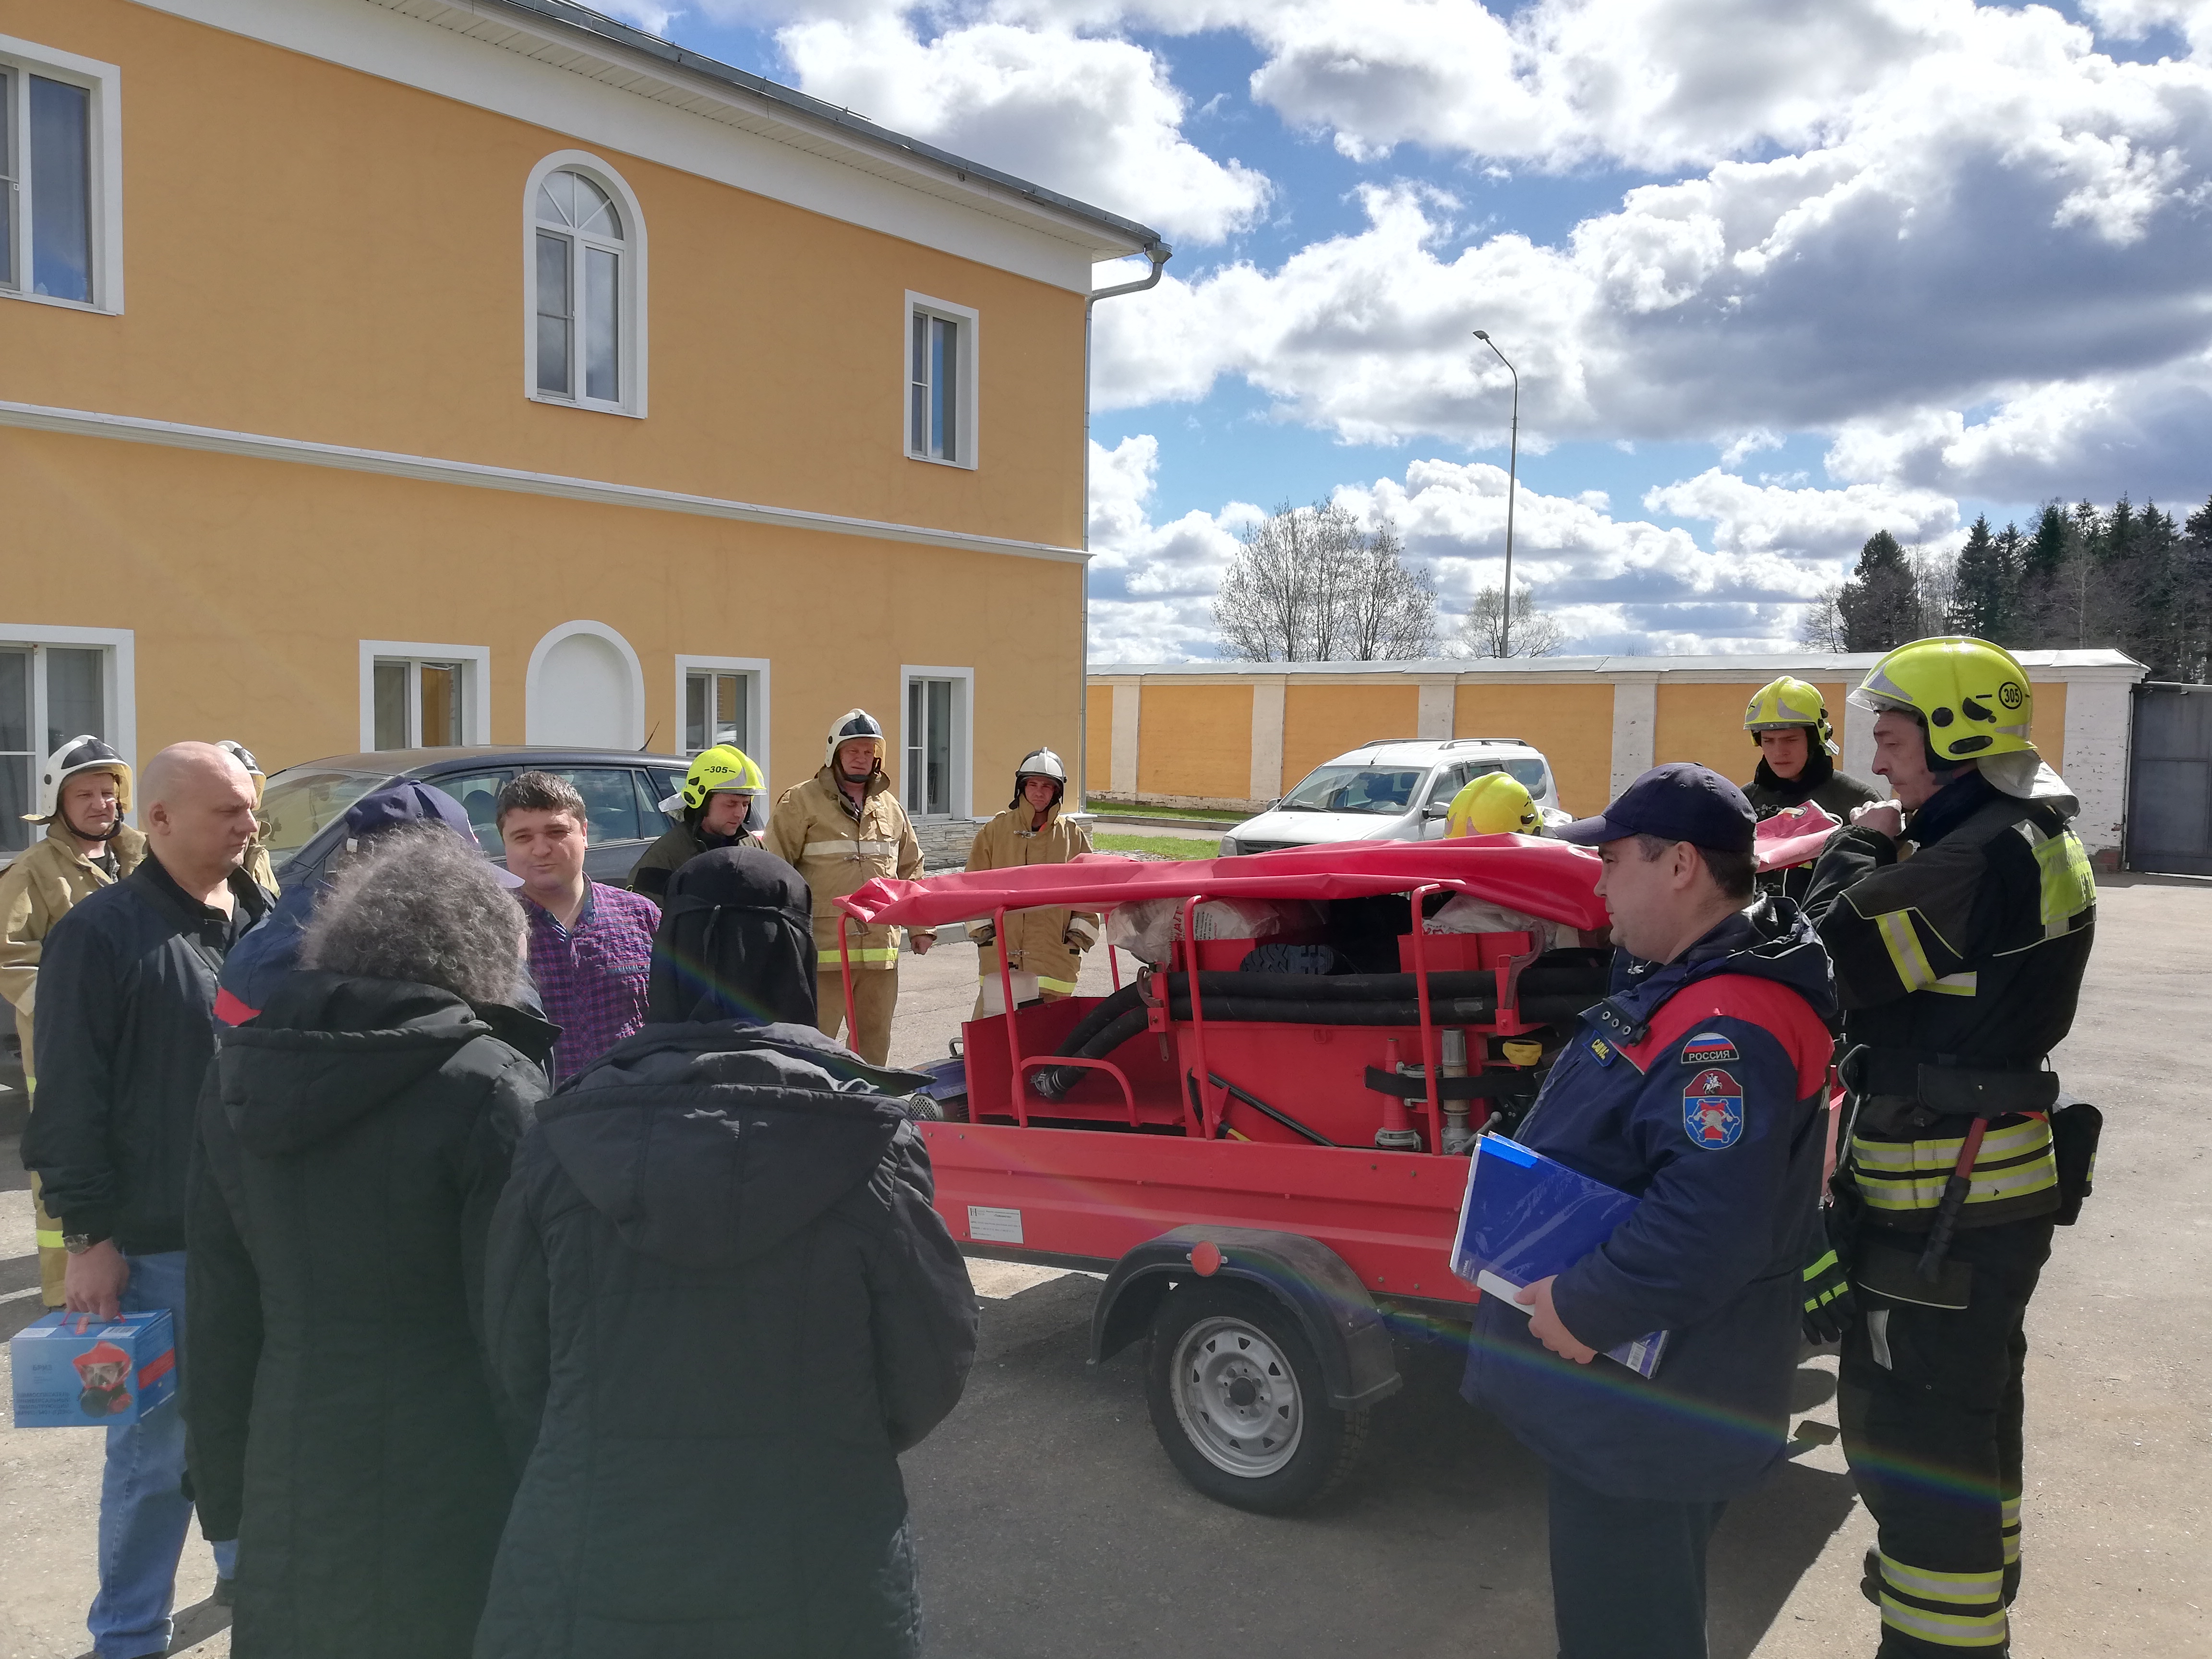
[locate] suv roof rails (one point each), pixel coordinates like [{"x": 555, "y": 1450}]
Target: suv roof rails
[{"x": 1442, "y": 743}]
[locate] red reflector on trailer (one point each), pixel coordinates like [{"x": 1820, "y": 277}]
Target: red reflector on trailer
[{"x": 1205, "y": 1258}]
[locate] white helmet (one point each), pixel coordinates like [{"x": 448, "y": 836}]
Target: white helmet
[
  {"x": 852, "y": 723},
  {"x": 1040, "y": 763},
  {"x": 239, "y": 752},
  {"x": 83, "y": 753}
]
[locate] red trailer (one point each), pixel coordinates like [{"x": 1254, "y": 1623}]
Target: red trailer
[{"x": 1263, "y": 1162}]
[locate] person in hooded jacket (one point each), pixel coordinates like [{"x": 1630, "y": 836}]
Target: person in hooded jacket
[
  {"x": 724, "y": 1306},
  {"x": 1697, "y": 1088},
  {"x": 355, "y": 1138}
]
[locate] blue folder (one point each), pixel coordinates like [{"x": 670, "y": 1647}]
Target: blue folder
[{"x": 1527, "y": 1217}]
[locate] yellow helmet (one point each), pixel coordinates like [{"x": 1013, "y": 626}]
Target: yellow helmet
[
  {"x": 1495, "y": 804},
  {"x": 723, "y": 769},
  {"x": 1780, "y": 704},
  {"x": 1973, "y": 697}
]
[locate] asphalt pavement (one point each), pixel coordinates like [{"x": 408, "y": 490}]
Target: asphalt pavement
[{"x": 1050, "y": 1523}]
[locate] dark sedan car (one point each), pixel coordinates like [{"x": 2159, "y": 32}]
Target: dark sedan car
[{"x": 306, "y": 803}]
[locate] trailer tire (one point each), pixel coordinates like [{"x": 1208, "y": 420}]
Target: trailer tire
[{"x": 1226, "y": 1365}]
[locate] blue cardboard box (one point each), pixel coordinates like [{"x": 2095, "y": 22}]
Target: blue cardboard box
[{"x": 79, "y": 1371}]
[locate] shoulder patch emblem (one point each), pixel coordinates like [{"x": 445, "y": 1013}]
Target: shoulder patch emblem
[
  {"x": 1601, "y": 1051},
  {"x": 1712, "y": 1110},
  {"x": 1708, "y": 1048}
]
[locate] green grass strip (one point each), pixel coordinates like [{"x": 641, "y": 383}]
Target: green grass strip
[{"x": 1167, "y": 847}]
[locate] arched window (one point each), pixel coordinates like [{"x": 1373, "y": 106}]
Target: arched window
[{"x": 587, "y": 277}]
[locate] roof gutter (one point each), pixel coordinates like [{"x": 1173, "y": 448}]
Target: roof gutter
[{"x": 1159, "y": 253}]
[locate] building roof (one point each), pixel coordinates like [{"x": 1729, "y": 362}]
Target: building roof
[
  {"x": 1810, "y": 665},
  {"x": 576, "y": 37}
]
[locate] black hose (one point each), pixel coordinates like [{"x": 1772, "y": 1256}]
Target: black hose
[
  {"x": 1107, "y": 1010},
  {"x": 1054, "y": 1081}
]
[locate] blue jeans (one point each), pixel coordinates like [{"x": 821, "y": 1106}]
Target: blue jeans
[{"x": 143, "y": 1511}]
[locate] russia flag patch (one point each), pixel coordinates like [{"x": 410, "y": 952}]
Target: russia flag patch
[{"x": 1708, "y": 1048}]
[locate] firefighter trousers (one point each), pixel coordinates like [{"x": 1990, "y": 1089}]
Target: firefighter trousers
[
  {"x": 875, "y": 997},
  {"x": 1930, "y": 1401}
]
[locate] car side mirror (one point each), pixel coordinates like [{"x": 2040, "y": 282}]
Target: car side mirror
[{"x": 1437, "y": 809}]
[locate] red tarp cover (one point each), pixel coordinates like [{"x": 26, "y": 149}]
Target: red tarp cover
[
  {"x": 1546, "y": 879},
  {"x": 1794, "y": 836}
]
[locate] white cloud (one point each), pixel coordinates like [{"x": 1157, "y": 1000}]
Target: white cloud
[{"x": 1615, "y": 584}]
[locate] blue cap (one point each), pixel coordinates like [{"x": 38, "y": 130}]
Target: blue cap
[
  {"x": 1679, "y": 801},
  {"x": 404, "y": 800}
]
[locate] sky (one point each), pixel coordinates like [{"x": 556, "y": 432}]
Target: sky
[{"x": 1775, "y": 274}]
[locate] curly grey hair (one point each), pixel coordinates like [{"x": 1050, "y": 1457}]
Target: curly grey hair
[{"x": 418, "y": 903}]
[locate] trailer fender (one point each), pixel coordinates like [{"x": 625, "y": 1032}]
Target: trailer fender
[{"x": 1324, "y": 1295}]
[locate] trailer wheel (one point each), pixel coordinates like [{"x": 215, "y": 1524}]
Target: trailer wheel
[{"x": 1238, "y": 1400}]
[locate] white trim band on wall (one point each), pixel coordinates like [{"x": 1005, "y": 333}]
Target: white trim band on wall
[{"x": 137, "y": 429}]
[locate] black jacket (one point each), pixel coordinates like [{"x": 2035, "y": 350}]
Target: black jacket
[
  {"x": 717, "y": 1283},
  {"x": 1834, "y": 792},
  {"x": 342, "y": 1423},
  {"x": 1967, "y": 954},
  {"x": 124, "y": 1030}
]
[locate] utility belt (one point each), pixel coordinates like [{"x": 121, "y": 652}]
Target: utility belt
[{"x": 1935, "y": 1146}]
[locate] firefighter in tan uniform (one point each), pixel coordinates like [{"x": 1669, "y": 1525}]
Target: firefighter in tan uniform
[
  {"x": 256, "y": 863},
  {"x": 1044, "y": 947},
  {"x": 841, "y": 829},
  {"x": 84, "y": 790}
]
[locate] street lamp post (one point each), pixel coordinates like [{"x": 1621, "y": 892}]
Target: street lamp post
[{"x": 1512, "y": 489}]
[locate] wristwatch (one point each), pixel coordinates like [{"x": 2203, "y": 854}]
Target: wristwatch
[{"x": 78, "y": 1243}]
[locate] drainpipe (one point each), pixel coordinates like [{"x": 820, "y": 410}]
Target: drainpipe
[{"x": 1159, "y": 253}]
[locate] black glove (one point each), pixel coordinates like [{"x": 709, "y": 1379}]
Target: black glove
[{"x": 1830, "y": 1307}]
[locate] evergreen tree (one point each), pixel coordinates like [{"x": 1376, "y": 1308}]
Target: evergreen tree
[
  {"x": 1984, "y": 587},
  {"x": 1881, "y": 603}
]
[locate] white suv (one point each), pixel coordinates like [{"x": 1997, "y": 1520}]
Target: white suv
[{"x": 1392, "y": 790}]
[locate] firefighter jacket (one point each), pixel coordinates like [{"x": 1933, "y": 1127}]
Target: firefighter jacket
[
  {"x": 1957, "y": 968},
  {"x": 677, "y": 847},
  {"x": 1699, "y": 1087},
  {"x": 1037, "y": 941},
  {"x": 36, "y": 892},
  {"x": 839, "y": 850}
]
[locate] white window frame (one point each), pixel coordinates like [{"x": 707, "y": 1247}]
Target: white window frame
[
  {"x": 475, "y": 662},
  {"x": 635, "y": 288},
  {"x": 967, "y": 425},
  {"x": 963, "y": 733},
  {"x": 105, "y": 119},
  {"x": 119, "y": 686},
  {"x": 757, "y": 723},
  {"x": 533, "y": 715}
]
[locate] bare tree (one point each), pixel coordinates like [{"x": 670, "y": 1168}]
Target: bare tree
[
  {"x": 1821, "y": 627},
  {"x": 1391, "y": 610},
  {"x": 1936, "y": 585},
  {"x": 1311, "y": 585},
  {"x": 1536, "y": 633}
]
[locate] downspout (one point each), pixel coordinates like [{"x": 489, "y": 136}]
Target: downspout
[{"x": 1159, "y": 253}]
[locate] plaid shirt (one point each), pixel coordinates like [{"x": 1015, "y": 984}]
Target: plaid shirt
[{"x": 592, "y": 977}]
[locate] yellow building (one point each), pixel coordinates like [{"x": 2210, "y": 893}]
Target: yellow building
[
  {"x": 491, "y": 373},
  {"x": 1239, "y": 734}
]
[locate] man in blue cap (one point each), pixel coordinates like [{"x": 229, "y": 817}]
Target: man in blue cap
[
  {"x": 1697, "y": 1088},
  {"x": 254, "y": 969}
]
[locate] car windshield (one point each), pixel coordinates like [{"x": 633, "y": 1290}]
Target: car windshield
[
  {"x": 1356, "y": 789},
  {"x": 299, "y": 801},
  {"x": 1529, "y": 773}
]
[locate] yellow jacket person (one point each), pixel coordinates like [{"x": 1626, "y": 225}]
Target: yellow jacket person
[
  {"x": 841, "y": 829},
  {"x": 1045, "y": 945},
  {"x": 84, "y": 790}
]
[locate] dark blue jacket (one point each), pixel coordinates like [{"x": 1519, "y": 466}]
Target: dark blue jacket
[{"x": 1710, "y": 1110}]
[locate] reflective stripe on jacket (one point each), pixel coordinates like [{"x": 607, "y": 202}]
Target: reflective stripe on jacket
[
  {"x": 37, "y": 891},
  {"x": 1968, "y": 953},
  {"x": 1036, "y": 941},
  {"x": 814, "y": 831}
]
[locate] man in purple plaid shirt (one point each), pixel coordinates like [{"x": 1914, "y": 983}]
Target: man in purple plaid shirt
[{"x": 591, "y": 945}]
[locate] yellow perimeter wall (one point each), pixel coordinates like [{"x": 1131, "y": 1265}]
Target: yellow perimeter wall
[
  {"x": 1320, "y": 722},
  {"x": 1193, "y": 740},
  {"x": 1704, "y": 724},
  {"x": 1098, "y": 734},
  {"x": 1572, "y": 724}
]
